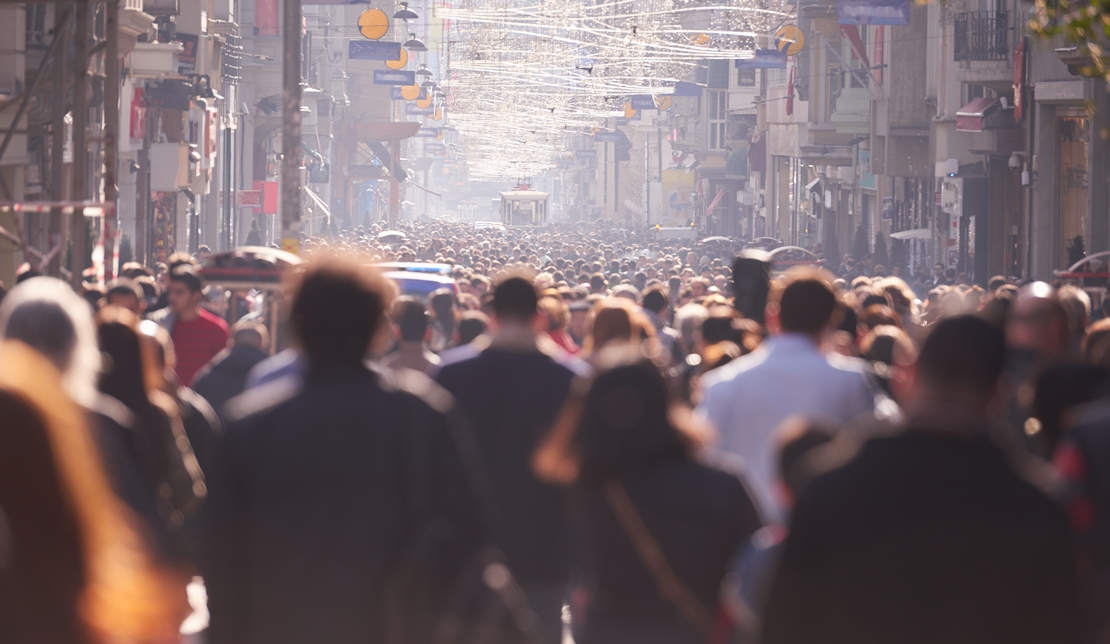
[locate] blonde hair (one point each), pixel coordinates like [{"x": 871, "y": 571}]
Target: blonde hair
[{"x": 126, "y": 597}]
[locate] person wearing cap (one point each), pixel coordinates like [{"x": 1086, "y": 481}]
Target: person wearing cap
[{"x": 197, "y": 334}]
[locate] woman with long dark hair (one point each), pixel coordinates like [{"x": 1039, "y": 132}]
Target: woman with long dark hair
[
  {"x": 660, "y": 522},
  {"x": 149, "y": 431},
  {"x": 445, "y": 318}
]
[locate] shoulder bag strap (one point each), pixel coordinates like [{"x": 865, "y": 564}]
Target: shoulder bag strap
[{"x": 651, "y": 554}]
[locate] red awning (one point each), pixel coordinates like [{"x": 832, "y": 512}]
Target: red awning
[{"x": 971, "y": 117}]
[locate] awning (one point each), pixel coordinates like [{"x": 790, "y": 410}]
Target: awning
[
  {"x": 737, "y": 163},
  {"x": 812, "y": 184},
  {"x": 919, "y": 233},
  {"x": 972, "y": 117},
  {"x": 318, "y": 201},
  {"x": 716, "y": 200}
]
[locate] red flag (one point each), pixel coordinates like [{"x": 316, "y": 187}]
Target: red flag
[{"x": 790, "y": 94}]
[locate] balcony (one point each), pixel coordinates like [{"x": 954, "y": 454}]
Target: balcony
[
  {"x": 982, "y": 35},
  {"x": 982, "y": 49}
]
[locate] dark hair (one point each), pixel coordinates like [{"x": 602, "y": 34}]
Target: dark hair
[
  {"x": 796, "y": 445},
  {"x": 996, "y": 282},
  {"x": 620, "y": 426},
  {"x": 124, "y": 287},
  {"x": 122, "y": 377},
  {"x": 515, "y": 298},
  {"x": 1060, "y": 388},
  {"x": 806, "y": 304},
  {"x": 655, "y": 299},
  {"x": 962, "y": 353},
  {"x": 472, "y": 325},
  {"x": 409, "y": 314},
  {"x": 187, "y": 275},
  {"x": 338, "y": 307}
]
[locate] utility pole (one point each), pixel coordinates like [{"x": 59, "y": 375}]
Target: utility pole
[
  {"x": 77, "y": 227},
  {"x": 291, "y": 129},
  {"x": 111, "y": 134},
  {"x": 57, "y": 140}
]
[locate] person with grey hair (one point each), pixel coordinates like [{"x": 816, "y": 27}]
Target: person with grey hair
[
  {"x": 628, "y": 292},
  {"x": 45, "y": 314}
]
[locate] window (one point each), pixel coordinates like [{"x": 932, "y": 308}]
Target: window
[
  {"x": 745, "y": 78},
  {"x": 36, "y": 24},
  {"x": 718, "y": 108}
]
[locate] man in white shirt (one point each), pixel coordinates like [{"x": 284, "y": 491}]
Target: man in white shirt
[{"x": 788, "y": 376}]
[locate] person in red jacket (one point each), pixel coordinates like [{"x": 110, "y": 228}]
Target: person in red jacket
[{"x": 197, "y": 334}]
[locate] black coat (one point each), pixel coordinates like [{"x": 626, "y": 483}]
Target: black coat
[
  {"x": 511, "y": 399},
  {"x": 225, "y": 377},
  {"x": 308, "y": 510},
  {"x": 923, "y": 538},
  {"x": 699, "y": 514}
]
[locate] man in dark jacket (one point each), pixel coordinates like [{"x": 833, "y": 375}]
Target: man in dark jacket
[
  {"x": 933, "y": 534},
  {"x": 511, "y": 393},
  {"x": 225, "y": 377},
  {"x": 313, "y": 497}
]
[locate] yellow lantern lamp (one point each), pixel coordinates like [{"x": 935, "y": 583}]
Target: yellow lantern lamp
[
  {"x": 410, "y": 92},
  {"x": 400, "y": 62},
  {"x": 373, "y": 23}
]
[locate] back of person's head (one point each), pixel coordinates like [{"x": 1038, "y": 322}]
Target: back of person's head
[
  {"x": 1059, "y": 389},
  {"x": 613, "y": 322},
  {"x": 889, "y": 345},
  {"x": 872, "y": 296},
  {"x": 797, "y": 442},
  {"x": 719, "y": 326},
  {"x": 338, "y": 307},
  {"x": 442, "y": 303},
  {"x": 472, "y": 325},
  {"x": 962, "y": 360},
  {"x": 123, "y": 377},
  {"x": 1078, "y": 305},
  {"x": 45, "y": 314},
  {"x": 805, "y": 302},
  {"x": 628, "y": 292},
  {"x": 556, "y": 312},
  {"x": 656, "y": 299},
  {"x": 1095, "y": 348},
  {"x": 411, "y": 318},
  {"x": 878, "y": 315},
  {"x": 996, "y": 282},
  {"x": 623, "y": 424},
  {"x": 515, "y": 300},
  {"x": 250, "y": 333},
  {"x": 126, "y": 293}
]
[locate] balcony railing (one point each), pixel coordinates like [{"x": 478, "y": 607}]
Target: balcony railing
[{"x": 982, "y": 35}]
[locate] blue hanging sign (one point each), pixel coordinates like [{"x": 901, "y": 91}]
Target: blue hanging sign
[
  {"x": 608, "y": 137},
  {"x": 587, "y": 153},
  {"x": 763, "y": 59},
  {"x": 391, "y": 77},
  {"x": 373, "y": 50},
  {"x": 427, "y": 133},
  {"x": 642, "y": 102},
  {"x": 873, "y": 12},
  {"x": 413, "y": 109}
]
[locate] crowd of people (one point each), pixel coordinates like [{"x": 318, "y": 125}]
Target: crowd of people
[{"x": 582, "y": 438}]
